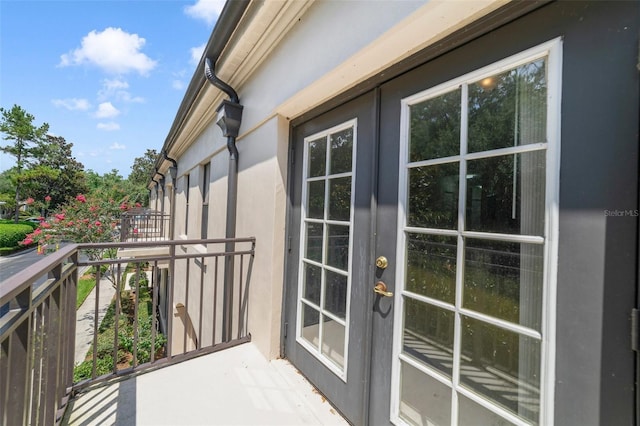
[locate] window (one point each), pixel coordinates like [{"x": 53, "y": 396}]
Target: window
[
  {"x": 204, "y": 224},
  {"x": 478, "y": 178},
  {"x": 325, "y": 250}
]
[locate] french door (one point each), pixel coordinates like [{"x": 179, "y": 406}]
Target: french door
[
  {"x": 328, "y": 295},
  {"x": 421, "y": 268}
]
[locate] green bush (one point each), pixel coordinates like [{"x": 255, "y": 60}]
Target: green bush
[
  {"x": 12, "y": 234},
  {"x": 125, "y": 338},
  {"x": 33, "y": 225},
  {"x": 83, "y": 370},
  {"x": 139, "y": 278}
]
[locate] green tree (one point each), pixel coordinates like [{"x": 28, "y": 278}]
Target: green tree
[
  {"x": 141, "y": 172},
  {"x": 7, "y": 191},
  {"x": 110, "y": 187},
  {"x": 143, "y": 167},
  {"x": 17, "y": 126},
  {"x": 56, "y": 174}
]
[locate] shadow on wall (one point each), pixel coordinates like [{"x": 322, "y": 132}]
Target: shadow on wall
[{"x": 190, "y": 341}]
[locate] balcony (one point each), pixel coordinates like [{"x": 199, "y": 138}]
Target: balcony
[
  {"x": 140, "y": 224},
  {"x": 234, "y": 386},
  {"x": 171, "y": 347}
]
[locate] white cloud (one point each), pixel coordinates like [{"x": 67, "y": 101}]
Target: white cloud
[
  {"x": 111, "y": 87},
  {"x": 196, "y": 53},
  {"x": 177, "y": 84},
  {"x": 114, "y": 84},
  {"x": 207, "y": 10},
  {"x": 117, "y": 146},
  {"x": 113, "y": 50},
  {"x": 117, "y": 89},
  {"x": 108, "y": 127},
  {"x": 72, "y": 104},
  {"x": 106, "y": 110},
  {"x": 126, "y": 97}
]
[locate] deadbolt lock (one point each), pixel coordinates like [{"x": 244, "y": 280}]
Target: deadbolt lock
[{"x": 382, "y": 262}]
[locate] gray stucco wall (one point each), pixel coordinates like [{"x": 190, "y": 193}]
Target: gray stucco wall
[{"x": 598, "y": 227}]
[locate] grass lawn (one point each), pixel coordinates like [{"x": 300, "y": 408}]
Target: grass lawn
[{"x": 85, "y": 285}]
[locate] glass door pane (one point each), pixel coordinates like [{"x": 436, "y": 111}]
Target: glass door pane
[
  {"x": 326, "y": 235},
  {"x": 473, "y": 184}
]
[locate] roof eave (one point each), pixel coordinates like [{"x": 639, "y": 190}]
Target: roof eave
[{"x": 225, "y": 26}]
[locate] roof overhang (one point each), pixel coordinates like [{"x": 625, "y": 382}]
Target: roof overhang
[{"x": 246, "y": 31}]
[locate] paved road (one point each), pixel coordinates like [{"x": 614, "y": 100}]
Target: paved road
[{"x": 10, "y": 265}]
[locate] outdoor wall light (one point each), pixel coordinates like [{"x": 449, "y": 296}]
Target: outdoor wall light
[{"x": 229, "y": 118}]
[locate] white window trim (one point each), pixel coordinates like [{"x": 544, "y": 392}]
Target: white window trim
[
  {"x": 553, "y": 51},
  {"x": 317, "y": 352}
]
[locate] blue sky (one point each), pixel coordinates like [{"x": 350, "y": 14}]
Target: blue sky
[{"x": 108, "y": 76}]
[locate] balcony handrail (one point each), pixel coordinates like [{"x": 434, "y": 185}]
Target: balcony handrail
[
  {"x": 37, "y": 336},
  {"x": 38, "y": 332},
  {"x": 144, "y": 224},
  {"x": 138, "y": 244},
  {"x": 18, "y": 282}
]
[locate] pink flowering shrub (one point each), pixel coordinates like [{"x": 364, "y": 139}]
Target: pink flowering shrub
[{"x": 84, "y": 219}]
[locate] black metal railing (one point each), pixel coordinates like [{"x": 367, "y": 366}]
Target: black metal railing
[
  {"x": 167, "y": 303},
  {"x": 144, "y": 225}
]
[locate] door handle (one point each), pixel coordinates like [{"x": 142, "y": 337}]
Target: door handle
[{"x": 381, "y": 289}]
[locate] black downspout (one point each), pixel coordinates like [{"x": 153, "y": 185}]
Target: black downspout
[
  {"x": 232, "y": 197},
  {"x": 156, "y": 218},
  {"x": 226, "y": 25},
  {"x": 166, "y": 157},
  {"x": 172, "y": 198},
  {"x": 232, "y": 183},
  {"x": 157, "y": 185}
]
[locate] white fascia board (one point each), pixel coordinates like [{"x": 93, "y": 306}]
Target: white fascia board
[{"x": 265, "y": 24}]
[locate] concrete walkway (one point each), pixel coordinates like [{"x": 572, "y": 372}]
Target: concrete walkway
[
  {"x": 235, "y": 386},
  {"x": 85, "y": 317}
]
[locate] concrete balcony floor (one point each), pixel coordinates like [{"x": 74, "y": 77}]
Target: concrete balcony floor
[{"x": 236, "y": 386}]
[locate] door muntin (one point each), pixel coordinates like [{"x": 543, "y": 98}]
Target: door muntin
[
  {"x": 477, "y": 227},
  {"x": 326, "y": 240}
]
